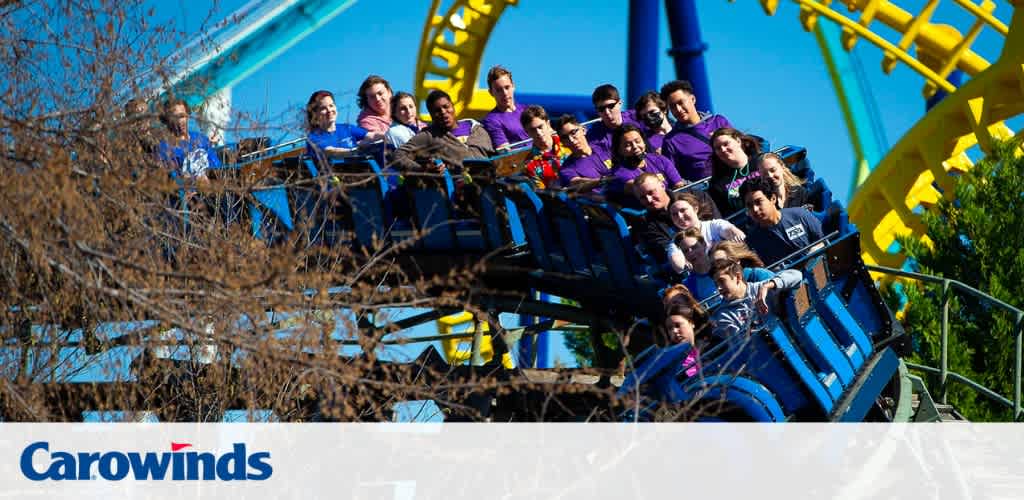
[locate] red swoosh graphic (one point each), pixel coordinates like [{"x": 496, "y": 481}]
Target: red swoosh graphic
[{"x": 178, "y": 446}]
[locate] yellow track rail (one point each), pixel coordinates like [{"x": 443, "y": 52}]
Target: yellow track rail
[
  {"x": 903, "y": 184},
  {"x": 452, "y": 48}
]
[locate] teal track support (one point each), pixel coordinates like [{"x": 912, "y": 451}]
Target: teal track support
[
  {"x": 854, "y": 96},
  {"x": 243, "y": 46}
]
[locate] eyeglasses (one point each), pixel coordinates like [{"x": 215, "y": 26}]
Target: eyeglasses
[
  {"x": 606, "y": 107},
  {"x": 570, "y": 133}
]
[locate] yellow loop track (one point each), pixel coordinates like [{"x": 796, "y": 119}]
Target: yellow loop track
[{"x": 452, "y": 49}]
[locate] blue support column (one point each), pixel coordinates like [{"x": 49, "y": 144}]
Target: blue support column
[
  {"x": 956, "y": 78},
  {"x": 688, "y": 48},
  {"x": 642, "y": 58}
]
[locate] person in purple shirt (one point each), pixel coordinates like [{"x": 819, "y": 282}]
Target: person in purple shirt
[
  {"x": 502, "y": 123},
  {"x": 688, "y": 144},
  {"x": 608, "y": 106},
  {"x": 583, "y": 164},
  {"x": 633, "y": 159},
  {"x": 650, "y": 109}
]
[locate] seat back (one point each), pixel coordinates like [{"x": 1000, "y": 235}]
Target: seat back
[
  {"x": 536, "y": 230},
  {"x": 852, "y": 338},
  {"x": 814, "y": 338},
  {"x": 569, "y": 230},
  {"x": 614, "y": 258},
  {"x": 362, "y": 207}
]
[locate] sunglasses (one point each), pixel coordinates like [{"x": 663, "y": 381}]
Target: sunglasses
[
  {"x": 570, "y": 133},
  {"x": 606, "y": 107}
]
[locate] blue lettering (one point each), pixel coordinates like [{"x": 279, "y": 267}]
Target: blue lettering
[
  {"x": 26, "y": 460},
  {"x": 85, "y": 461},
  {"x": 152, "y": 466},
  {"x": 178, "y": 469},
  {"x": 207, "y": 460},
  {"x": 63, "y": 466},
  {"x": 260, "y": 462},
  {"x": 236, "y": 457},
  {"x": 107, "y": 466}
]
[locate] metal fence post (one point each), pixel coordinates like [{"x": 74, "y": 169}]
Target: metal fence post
[
  {"x": 1017, "y": 368},
  {"x": 944, "y": 356}
]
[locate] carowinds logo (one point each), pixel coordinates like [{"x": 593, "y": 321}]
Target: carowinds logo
[{"x": 38, "y": 463}]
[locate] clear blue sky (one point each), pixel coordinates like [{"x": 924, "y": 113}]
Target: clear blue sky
[{"x": 767, "y": 74}]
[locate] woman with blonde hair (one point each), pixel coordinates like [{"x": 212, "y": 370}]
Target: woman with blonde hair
[{"x": 790, "y": 187}]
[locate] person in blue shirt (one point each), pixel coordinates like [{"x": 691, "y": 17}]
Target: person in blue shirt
[
  {"x": 776, "y": 234},
  {"x": 325, "y": 138},
  {"x": 188, "y": 153}
]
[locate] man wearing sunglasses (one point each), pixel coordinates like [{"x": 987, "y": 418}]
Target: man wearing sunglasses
[
  {"x": 608, "y": 105},
  {"x": 584, "y": 164}
]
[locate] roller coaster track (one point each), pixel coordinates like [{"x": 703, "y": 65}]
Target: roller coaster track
[
  {"x": 915, "y": 173},
  {"x": 452, "y": 48}
]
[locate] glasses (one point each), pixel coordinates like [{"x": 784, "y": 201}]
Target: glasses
[
  {"x": 570, "y": 133},
  {"x": 606, "y": 107}
]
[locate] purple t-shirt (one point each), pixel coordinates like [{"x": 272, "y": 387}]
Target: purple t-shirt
[
  {"x": 656, "y": 141},
  {"x": 600, "y": 137},
  {"x": 594, "y": 166},
  {"x": 462, "y": 129},
  {"x": 691, "y": 155},
  {"x": 504, "y": 128},
  {"x": 653, "y": 163}
]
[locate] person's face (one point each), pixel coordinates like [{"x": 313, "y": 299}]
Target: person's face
[
  {"x": 324, "y": 112},
  {"x": 761, "y": 208},
  {"x": 503, "y": 91},
  {"x": 406, "y": 111},
  {"x": 772, "y": 169},
  {"x": 730, "y": 286},
  {"x": 572, "y": 136},
  {"x": 539, "y": 131},
  {"x": 729, "y": 150},
  {"x": 683, "y": 107},
  {"x": 683, "y": 215},
  {"x": 696, "y": 252},
  {"x": 652, "y": 194},
  {"x": 647, "y": 110},
  {"x": 610, "y": 112},
  {"x": 680, "y": 329},
  {"x": 632, "y": 144},
  {"x": 179, "y": 118},
  {"x": 378, "y": 97},
  {"x": 443, "y": 113}
]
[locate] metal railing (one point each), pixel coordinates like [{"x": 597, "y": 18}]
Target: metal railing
[{"x": 945, "y": 376}]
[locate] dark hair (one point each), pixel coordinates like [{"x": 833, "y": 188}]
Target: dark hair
[
  {"x": 165, "y": 109},
  {"x": 367, "y": 83},
  {"x": 131, "y": 104},
  {"x": 649, "y": 97},
  {"x": 532, "y": 111},
  {"x": 605, "y": 92},
  {"x": 730, "y": 266},
  {"x": 436, "y": 95},
  {"x": 564, "y": 120},
  {"x": 397, "y": 98},
  {"x": 312, "y": 103},
  {"x": 758, "y": 184},
  {"x": 691, "y": 310},
  {"x": 750, "y": 145},
  {"x": 620, "y": 133},
  {"x": 496, "y": 72},
  {"x": 673, "y": 86}
]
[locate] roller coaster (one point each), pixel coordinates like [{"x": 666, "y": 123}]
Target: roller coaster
[{"x": 831, "y": 354}]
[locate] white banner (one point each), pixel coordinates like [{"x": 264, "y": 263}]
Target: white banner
[{"x": 529, "y": 461}]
